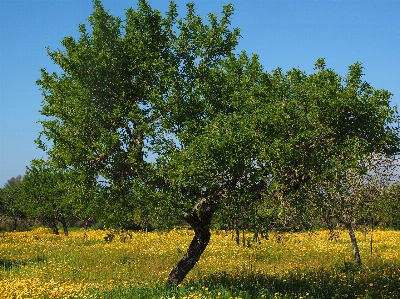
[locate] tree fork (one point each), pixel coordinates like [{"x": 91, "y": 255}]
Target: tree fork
[{"x": 201, "y": 226}]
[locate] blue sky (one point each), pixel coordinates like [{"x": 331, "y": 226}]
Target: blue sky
[{"x": 283, "y": 33}]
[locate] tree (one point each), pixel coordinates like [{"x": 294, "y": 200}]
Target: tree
[
  {"x": 348, "y": 195},
  {"x": 226, "y": 136},
  {"x": 333, "y": 136},
  {"x": 117, "y": 98},
  {"x": 43, "y": 196},
  {"x": 297, "y": 137},
  {"x": 386, "y": 208},
  {"x": 9, "y": 195},
  {"x": 336, "y": 152}
]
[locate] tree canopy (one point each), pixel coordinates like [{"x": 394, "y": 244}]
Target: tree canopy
[{"x": 160, "y": 114}]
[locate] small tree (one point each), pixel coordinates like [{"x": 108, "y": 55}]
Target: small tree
[
  {"x": 386, "y": 208},
  {"x": 43, "y": 196},
  {"x": 9, "y": 196},
  {"x": 348, "y": 195}
]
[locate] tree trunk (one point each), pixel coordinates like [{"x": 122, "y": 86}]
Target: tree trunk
[
  {"x": 54, "y": 227},
  {"x": 14, "y": 221},
  {"x": 237, "y": 234},
  {"x": 64, "y": 225},
  {"x": 86, "y": 225},
  {"x": 353, "y": 239},
  {"x": 372, "y": 232},
  {"x": 84, "y": 236},
  {"x": 201, "y": 226}
]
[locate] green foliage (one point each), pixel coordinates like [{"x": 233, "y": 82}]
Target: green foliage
[
  {"x": 284, "y": 138},
  {"x": 125, "y": 87},
  {"x": 43, "y": 194},
  {"x": 386, "y": 208}
]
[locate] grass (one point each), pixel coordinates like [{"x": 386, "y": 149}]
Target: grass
[{"x": 38, "y": 264}]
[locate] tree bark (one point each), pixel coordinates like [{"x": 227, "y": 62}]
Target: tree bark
[
  {"x": 54, "y": 227},
  {"x": 86, "y": 225},
  {"x": 237, "y": 234},
  {"x": 201, "y": 226},
  {"x": 64, "y": 225},
  {"x": 353, "y": 239},
  {"x": 372, "y": 232},
  {"x": 14, "y": 221}
]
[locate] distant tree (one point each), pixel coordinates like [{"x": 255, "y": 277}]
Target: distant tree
[
  {"x": 225, "y": 135},
  {"x": 43, "y": 196},
  {"x": 386, "y": 209},
  {"x": 350, "y": 195},
  {"x": 9, "y": 195}
]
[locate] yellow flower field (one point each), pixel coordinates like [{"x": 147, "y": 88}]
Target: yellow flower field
[{"x": 38, "y": 264}]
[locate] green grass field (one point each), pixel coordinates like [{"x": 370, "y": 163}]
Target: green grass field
[{"x": 38, "y": 264}]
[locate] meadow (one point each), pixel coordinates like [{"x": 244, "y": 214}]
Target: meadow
[{"x": 38, "y": 264}]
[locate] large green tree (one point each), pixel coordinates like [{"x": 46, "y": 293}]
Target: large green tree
[
  {"x": 129, "y": 89},
  {"x": 223, "y": 134},
  {"x": 294, "y": 145}
]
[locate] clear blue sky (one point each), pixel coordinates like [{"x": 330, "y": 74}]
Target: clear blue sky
[{"x": 284, "y": 33}]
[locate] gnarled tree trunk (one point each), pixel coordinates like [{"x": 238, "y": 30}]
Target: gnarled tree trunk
[{"x": 200, "y": 222}]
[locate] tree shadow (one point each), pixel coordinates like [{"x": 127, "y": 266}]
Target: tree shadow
[
  {"x": 346, "y": 280},
  {"x": 343, "y": 281},
  {"x": 6, "y": 264}
]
